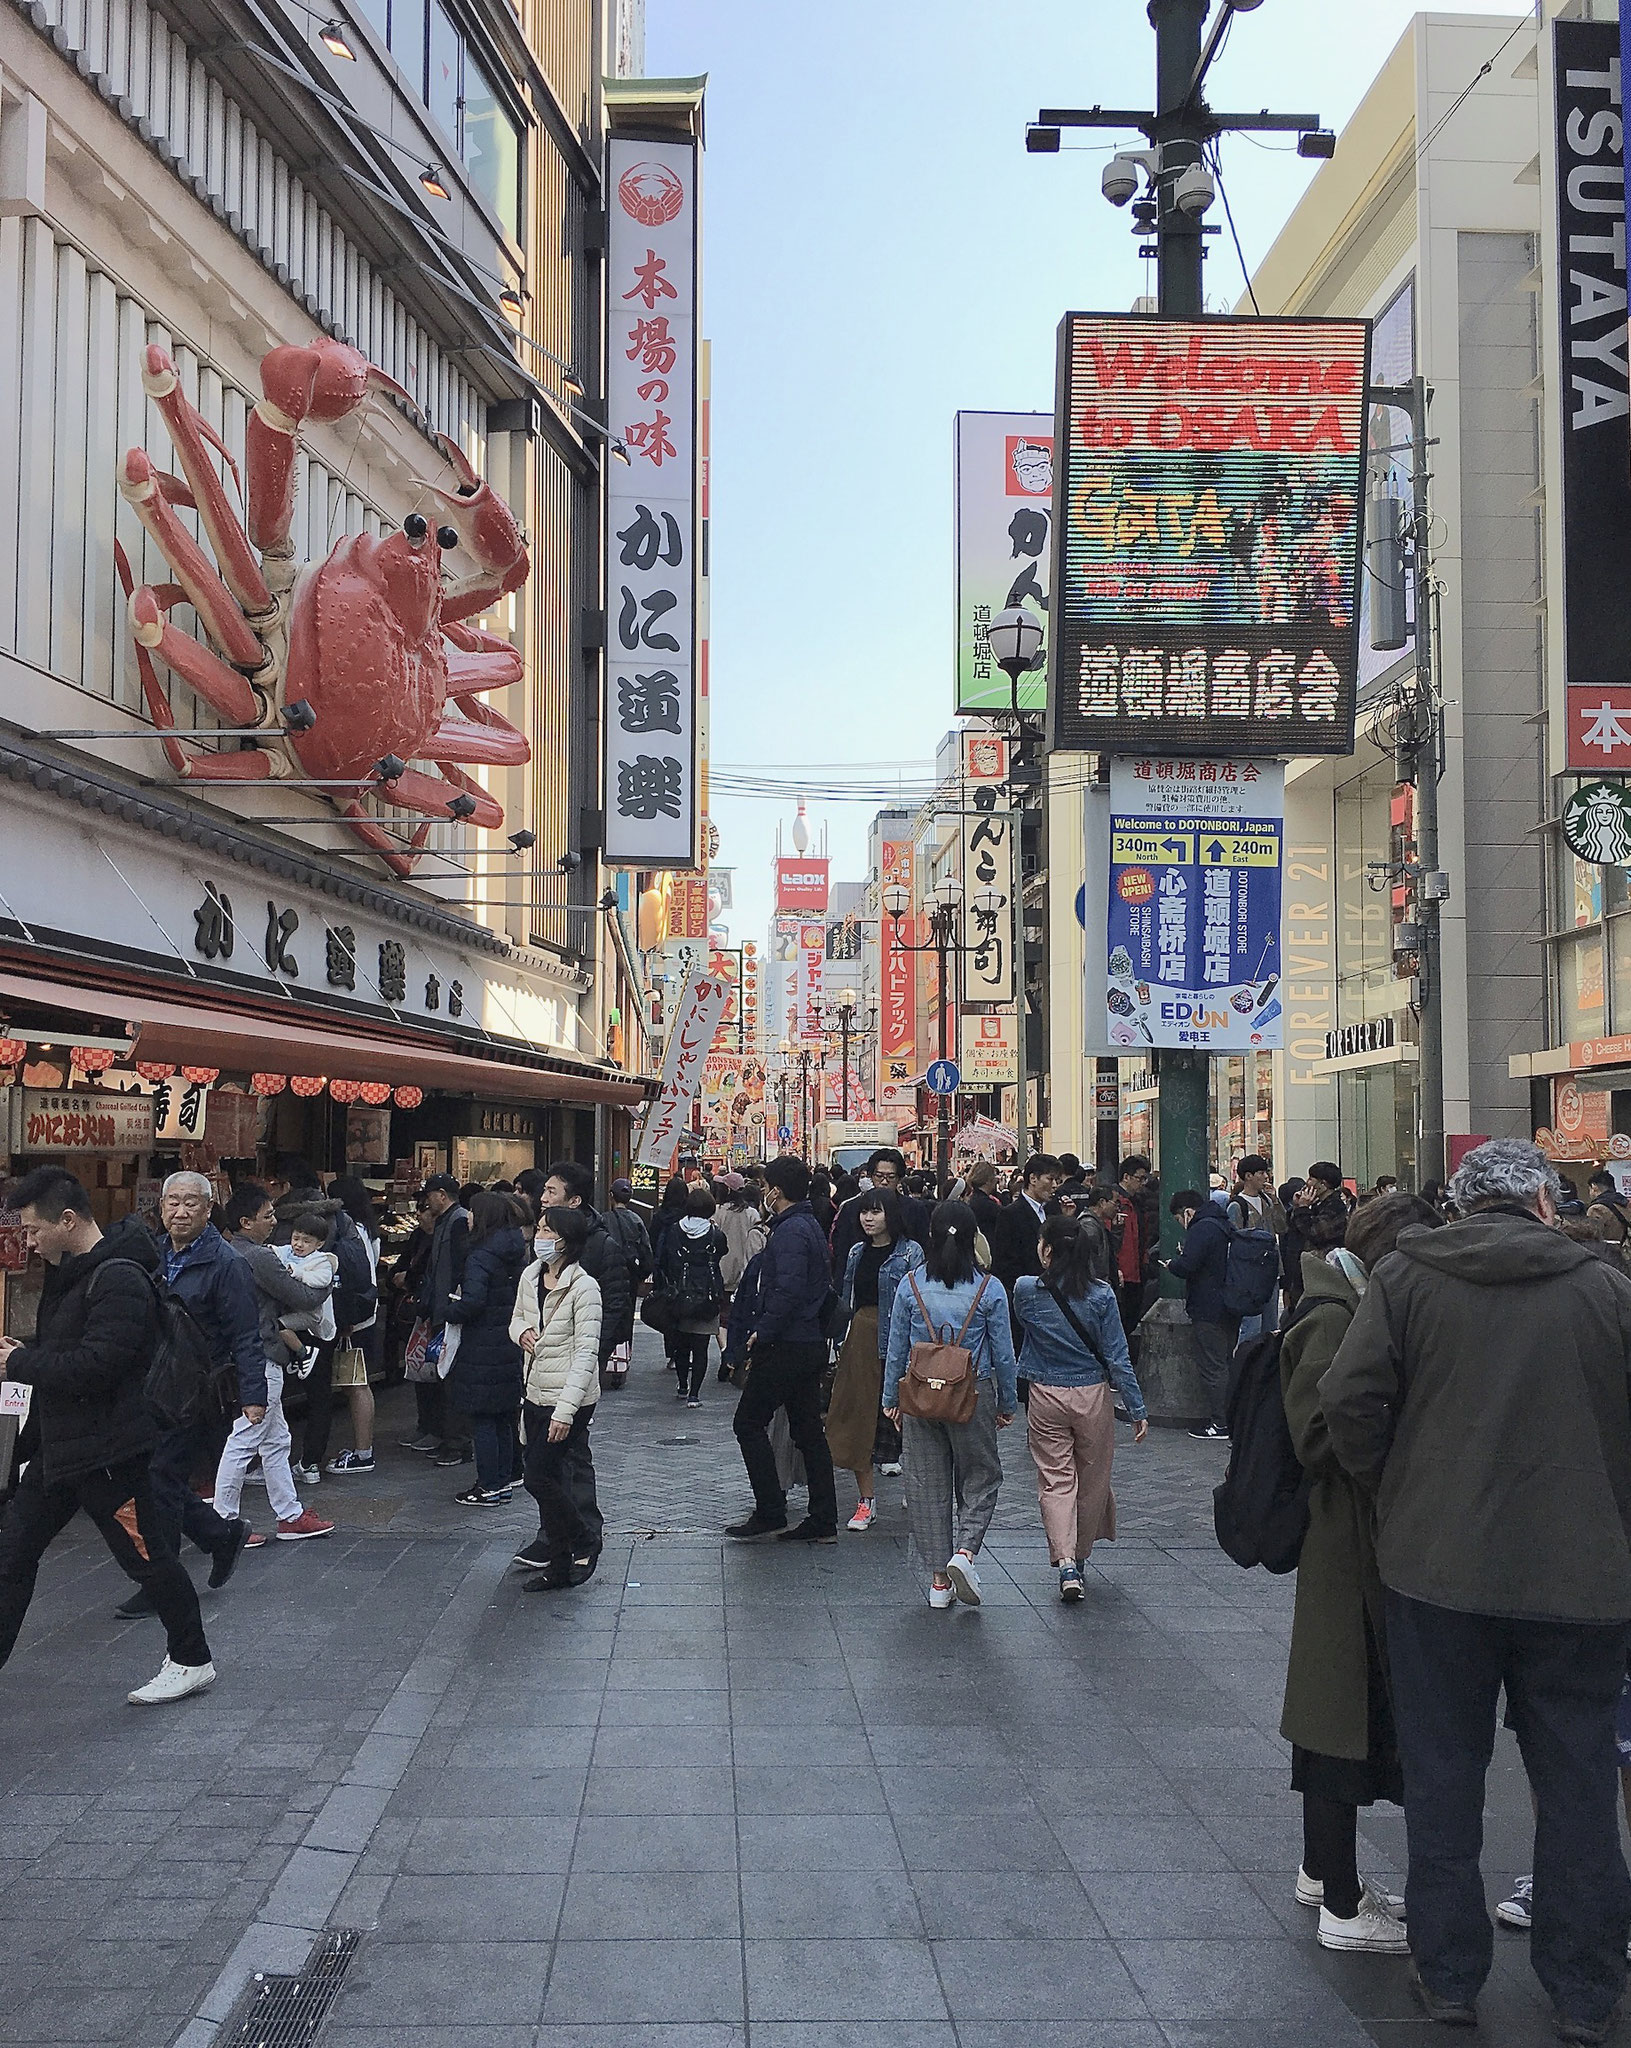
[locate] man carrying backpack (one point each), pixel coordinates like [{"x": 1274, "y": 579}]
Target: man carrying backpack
[
  {"x": 90, "y": 1433},
  {"x": 1255, "y": 1206},
  {"x": 1203, "y": 1266}
]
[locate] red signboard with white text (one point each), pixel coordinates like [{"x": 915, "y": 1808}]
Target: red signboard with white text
[
  {"x": 801, "y": 884},
  {"x": 897, "y": 1021}
]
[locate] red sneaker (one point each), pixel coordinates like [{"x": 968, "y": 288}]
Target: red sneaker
[{"x": 303, "y": 1525}]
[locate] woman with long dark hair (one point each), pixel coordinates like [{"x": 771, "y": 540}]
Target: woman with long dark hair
[
  {"x": 557, "y": 1325},
  {"x": 953, "y": 1462},
  {"x": 485, "y": 1380},
  {"x": 670, "y": 1209},
  {"x": 1073, "y": 1352},
  {"x": 691, "y": 1272},
  {"x": 872, "y": 1274}
]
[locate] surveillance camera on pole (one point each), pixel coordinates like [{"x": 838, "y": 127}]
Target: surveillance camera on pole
[
  {"x": 1194, "y": 191},
  {"x": 1125, "y": 172}
]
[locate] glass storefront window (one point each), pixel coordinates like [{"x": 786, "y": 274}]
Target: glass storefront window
[
  {"x": 1580, "y": 987},
  {"x": 491, "y": 147},
  {"x": 1366, "y": 984},
  {"x": 442, "y": 94},
  {"x": 408, "y": 40}
]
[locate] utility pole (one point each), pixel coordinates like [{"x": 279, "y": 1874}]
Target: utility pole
[{"x": 1179, "y": 132}]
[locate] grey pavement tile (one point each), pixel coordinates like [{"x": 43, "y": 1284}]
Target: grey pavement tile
[
  {"x": 806, "y": 1841},
  {"x": 650, "y": 1674},
  {"x": 663, "y": 1842},
  {"x": 1260, "y": 1842},
  {"x": 1174, "y": 1904},
  {"x": 1137, "y": 1842},
  {"x": 955, "y": 1788},
  {"x": 678, "y": 1708},
  {"x": 660, "y": 1789},
  {"x": 511, "y": 1847},
  {"x": 524, "y": 1749},
  {"x": 1065, "y": 2034},
  {"x": 800, "y": 1788},
  {"x": 461, "y": 2036},
  {"x": 56, "y": 2012},
  {"x": 906, "y": 1744},
  {"x": 486, "y": 1794},
  {"x": 1331, "y": 2030},
  {"x": 437, "y": 1983},
  {"x": 852, "y": 2034},
  {"x": 849, "y": 1744},
  {"x": 666, "y": 2034},
  {"x": 984, "y": 1841},
  {"x": 1201, "y": 1981},
  {"x": 1037, "y": 1980},
  {"x": 642, "y": 1905},
  {"x": 842, "y": 1980},
  {"x": 809, "y": 1707},
  {"x": 1004, "y": 1905},
  {"x": 494, "y": 1908},
  {"x": 124, "y": 1965},
  {"x": 348, "y": 1817},
  {"x": 645, "y": 1981},
  {"x": 860, "y": 1902}
]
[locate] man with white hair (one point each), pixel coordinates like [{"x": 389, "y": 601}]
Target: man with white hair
[
  {"x": 209, "y": 1279},
  {"x": 1481, "y": 1394}
]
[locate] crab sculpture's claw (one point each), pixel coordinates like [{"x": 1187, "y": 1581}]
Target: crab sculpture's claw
[{"x": 487, "y": 531}]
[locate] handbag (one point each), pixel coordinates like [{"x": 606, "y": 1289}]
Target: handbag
[
  {"x": 939, "y": 1383},
  {"x": 449, "y": 1341},
  {"x": 350, "y": 1367},
  {"x": 660, "y": 1312},
  {"x": 420, "y": 1358}
]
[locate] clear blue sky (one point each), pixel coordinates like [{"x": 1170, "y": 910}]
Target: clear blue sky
[{"x": 879, "y": 252}]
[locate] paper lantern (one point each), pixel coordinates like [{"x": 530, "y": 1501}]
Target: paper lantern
[
  {"x": 154, "y": 1070},
  {"x": 92, "y": 1059},
  {"x": 409, "y": 1098},
  {"x": 268, "y": 1084},
  {"x": 345, "y": 1091},
  {"x": 376, "y": 1093},
  {"x": 201, "y": 1077},
  {"x": 308, "y": 1084},
  {"x": 13, "y": 1051}
]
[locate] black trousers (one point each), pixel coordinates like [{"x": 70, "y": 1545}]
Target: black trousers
[
  {"x": 179, "y": 1511},
  {"x": 37, "y": 1514},
  {"x": 319, "y": 1405},
  {"x": 691, "y": 1357},
  {"x": 554, "y": 1478},
  {"x": 1562, "y": 1680},
  {"x": 786, "y": 1376}
]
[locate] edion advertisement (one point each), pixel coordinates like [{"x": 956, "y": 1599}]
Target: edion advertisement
[{"x": 1208, "y": 532}]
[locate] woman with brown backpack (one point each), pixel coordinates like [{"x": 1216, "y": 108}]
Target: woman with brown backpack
[{"x": 949, "y": 1380}]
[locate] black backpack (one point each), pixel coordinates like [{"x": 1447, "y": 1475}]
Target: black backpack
[
  {"x": 355, "y": 1295},
  {"x": 698, "y": 1286},
  {"x": 1252, "y": 1271},
  {"x": 1260, "y": 1511},
  {"x": 180, "y": 1384}
]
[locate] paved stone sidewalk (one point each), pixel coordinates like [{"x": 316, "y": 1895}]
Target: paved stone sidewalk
[{"x": 719, "y": 1798}]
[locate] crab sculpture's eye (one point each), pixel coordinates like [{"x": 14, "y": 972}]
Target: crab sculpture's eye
[
  {"x": 415, "y": 526},
  {"x": 447, "y": 536}
]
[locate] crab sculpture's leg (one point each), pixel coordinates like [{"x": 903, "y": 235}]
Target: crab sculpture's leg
[
  {"x": 402, "y": 860},
  {"x": 431, "y": 794},
  {"x": 219, "y": 686},
  {"x": 322, "y": 380}
]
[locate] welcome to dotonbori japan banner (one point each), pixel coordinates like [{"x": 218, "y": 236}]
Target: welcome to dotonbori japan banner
[
  {"x": 1208, "y": 529},
  {"x": 651, "y": 792}
]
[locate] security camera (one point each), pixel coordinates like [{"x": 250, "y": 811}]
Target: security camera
[
  {"x": 570, "y": 862},
  {"x": 1194, "y": 191},
  {"x": 1121, "y": 179}
]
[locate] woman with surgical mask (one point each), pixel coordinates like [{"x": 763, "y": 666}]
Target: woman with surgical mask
[{"x": 557, "y": 1325}]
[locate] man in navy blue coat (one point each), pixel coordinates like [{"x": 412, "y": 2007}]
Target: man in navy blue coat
[
  {"x": 787, "y": 1354},
  {"x": 1203, "y": 1266}
]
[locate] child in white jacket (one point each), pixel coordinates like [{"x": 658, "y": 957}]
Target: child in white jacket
[{"x": 557, "y": 1325}]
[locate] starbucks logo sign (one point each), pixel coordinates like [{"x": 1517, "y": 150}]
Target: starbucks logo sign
[{"x": 1597, "y": 823}]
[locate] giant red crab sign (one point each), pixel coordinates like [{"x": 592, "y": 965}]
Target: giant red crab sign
[{"x": 372, "y": 637}]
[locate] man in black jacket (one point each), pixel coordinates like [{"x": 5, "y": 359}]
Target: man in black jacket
[
  {"x": 787, "y": 1355},
  {"x": 1015, "y": 1236},
  {"x": 571, "y": 1185},
  {"x": 90, "y": 1434},
  {"x": 449, "y": 1241}
]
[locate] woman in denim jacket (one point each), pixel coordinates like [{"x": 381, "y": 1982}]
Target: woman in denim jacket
[
  {"x": 1070, "y": 1417},
  {"x": 874, "y": 1270},
  {"x": 953, "y": 1461}
]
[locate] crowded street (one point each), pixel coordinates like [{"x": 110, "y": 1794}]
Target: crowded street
[{"x": 724, "y": 1795}]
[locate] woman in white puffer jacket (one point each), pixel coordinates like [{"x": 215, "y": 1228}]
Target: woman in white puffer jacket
[{"x": 557, "y": 1325}]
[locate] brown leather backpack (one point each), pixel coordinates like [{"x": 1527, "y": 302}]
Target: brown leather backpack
[{"x": 938, "y": 1384}]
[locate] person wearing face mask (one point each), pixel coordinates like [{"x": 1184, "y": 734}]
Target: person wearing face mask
[
  {"x": 557, "y": 1323},
  {"x": 872, "y": 1272}
]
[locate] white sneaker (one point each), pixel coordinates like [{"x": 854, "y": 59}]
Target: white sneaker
[
  {"x": 1311, "y": 1892},
  {"x": 889, "y": 1471},
  {"x": 1372, "y": 1931},
  {"x": 942, "y": 1596},
  {"x": 864, "y": 1516},
  {"x": 964, "y": 1578},
  {"x": 174, "y": 1682}
]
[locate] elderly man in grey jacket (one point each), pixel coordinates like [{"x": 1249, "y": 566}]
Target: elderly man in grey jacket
[{"x": 1483, "y": 1395}]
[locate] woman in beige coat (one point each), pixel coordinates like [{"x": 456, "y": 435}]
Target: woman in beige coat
[{"x": 557, "y": 1325}]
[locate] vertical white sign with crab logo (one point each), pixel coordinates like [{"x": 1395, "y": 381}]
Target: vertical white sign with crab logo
[{"x": 651, "y": 795}]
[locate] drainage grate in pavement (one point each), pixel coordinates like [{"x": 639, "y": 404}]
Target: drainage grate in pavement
[{"x": 287, "y": 2012}]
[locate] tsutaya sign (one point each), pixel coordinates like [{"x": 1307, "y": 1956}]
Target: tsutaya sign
[
  {"x": 1207, "y": 534},
  {"x": 1192, "y": 933},
  {"x": 651, "y": 793}
]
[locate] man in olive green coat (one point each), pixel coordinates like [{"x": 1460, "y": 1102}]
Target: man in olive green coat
[{"x": 1483, "y": 1393}]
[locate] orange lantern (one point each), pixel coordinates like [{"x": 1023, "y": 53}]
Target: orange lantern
[
  {"x": 409, "y": 1097},
  {"x": 201, "y": 1077},
  {"x": 92, "y": 1059},
  {"x": 376, "y": 1093},
  {"x": 154, "y": 1070},
  {"x": 308, "y": 1085},
  {"x": 268, "y": 1084},
  {"x": 13, "y": 1051},
  {"x": 345, "y": 1091}
]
